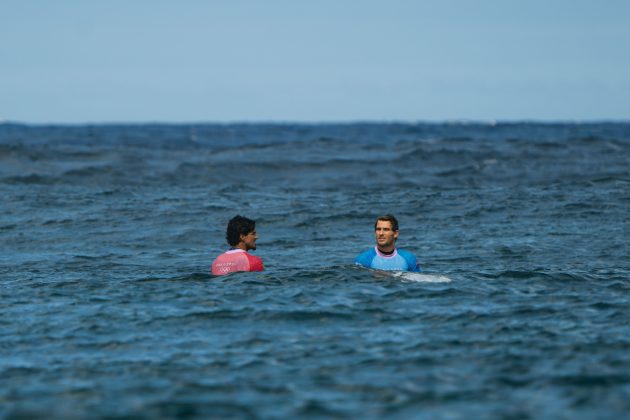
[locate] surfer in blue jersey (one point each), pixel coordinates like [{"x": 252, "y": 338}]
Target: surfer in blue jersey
[{"x": 385, "y": 255}]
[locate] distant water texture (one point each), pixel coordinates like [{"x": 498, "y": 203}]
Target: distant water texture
[{"x": 108, "y": 308}]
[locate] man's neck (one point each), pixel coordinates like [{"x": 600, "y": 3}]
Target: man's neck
[{"x": 387, "y": 251}]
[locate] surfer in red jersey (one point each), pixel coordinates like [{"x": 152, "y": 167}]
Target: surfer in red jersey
[{"x": 241, "y": 236}]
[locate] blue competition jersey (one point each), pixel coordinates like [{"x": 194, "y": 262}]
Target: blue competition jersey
[{"x": 400, "y": 260}]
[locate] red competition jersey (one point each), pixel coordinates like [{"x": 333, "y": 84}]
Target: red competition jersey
[{"x": 236, "y": 260}]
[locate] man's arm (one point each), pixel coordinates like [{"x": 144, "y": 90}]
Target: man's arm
[
  {"x": 412, "y": 263},
  {"x": 365, "y": 258},
  {"x": 255, "y": 263}
]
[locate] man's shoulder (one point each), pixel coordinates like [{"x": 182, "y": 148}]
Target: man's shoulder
[
  {"x": 255, "y": 263},
  {"x": 230, "y": 254},
  {"x": 252, "y": 257},
  {"x": 365, "y": 257},
  {"x": 410, "y": 257}
]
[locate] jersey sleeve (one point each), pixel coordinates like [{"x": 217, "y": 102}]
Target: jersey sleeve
[
  {"x": 364, "y": 258},
  {"x": 412, "y": 263},
  {"x": 255, "y": 263}
]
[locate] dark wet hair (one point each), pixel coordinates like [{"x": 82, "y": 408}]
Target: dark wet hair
[
  {"x": 238, "y": 226},
  {"x": 388, "y": 218}
]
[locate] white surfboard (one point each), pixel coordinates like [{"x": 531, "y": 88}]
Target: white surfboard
[{"x": 421, "y": 277}]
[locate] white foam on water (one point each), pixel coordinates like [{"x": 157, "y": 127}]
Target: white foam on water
[{"x": 420, "y": 277}]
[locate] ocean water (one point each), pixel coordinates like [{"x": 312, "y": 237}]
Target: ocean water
[{"x": 108, "y": 309}]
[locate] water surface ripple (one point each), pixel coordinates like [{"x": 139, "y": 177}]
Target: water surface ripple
[{"x": 107, "y": 307}]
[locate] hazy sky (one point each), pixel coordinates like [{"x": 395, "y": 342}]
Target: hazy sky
[{"x": 340, "y": 60}]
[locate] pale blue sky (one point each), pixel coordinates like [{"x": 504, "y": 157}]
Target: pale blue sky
[{"x": 68, "y": 61}]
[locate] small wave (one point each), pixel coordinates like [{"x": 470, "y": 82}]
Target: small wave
[
  {"x": 30, "y": 179},
  {"x": 305, "y": 315},
  {"x": 611, "y": 179},
  {"x": 195, "y": 277},
  {"x": 463, "y": 170},
  {"x": 590, "y": 380},
  {"x": 538, "y": 273}
]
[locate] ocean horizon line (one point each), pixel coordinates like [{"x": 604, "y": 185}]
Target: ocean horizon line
[{"x": 341, "y": 122}]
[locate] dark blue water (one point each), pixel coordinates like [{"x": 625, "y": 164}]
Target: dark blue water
[{"x": 107, "y": 308}]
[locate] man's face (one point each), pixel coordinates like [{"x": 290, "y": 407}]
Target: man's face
[
  {"x": 385, "y": 236},
  {"x": 249, "y": 240}
]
